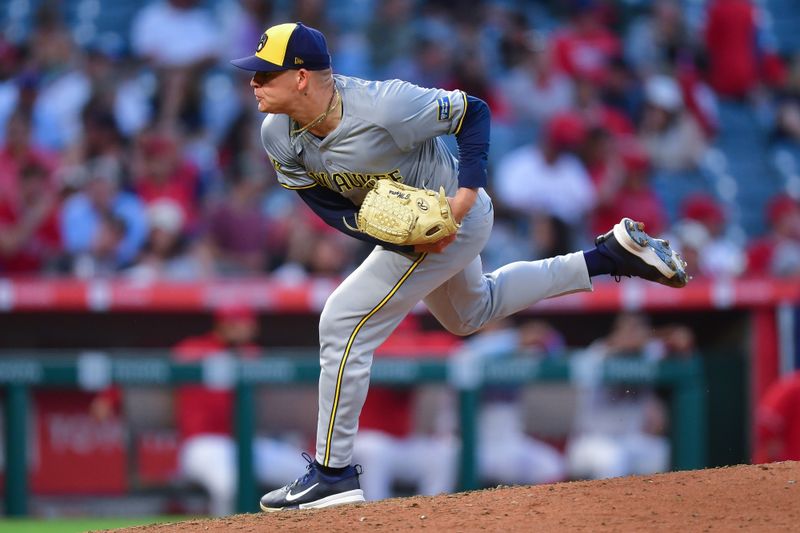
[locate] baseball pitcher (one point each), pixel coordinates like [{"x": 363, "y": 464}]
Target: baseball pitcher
[{"x": 367, "y": 157}]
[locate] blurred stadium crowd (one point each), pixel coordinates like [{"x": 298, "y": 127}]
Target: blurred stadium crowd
[{"x": 129, "y": 146}]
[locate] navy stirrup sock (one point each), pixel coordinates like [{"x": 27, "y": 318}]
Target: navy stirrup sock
[
  {"x": 330, "y": 471},
  {"x": 597, "y": 263}
]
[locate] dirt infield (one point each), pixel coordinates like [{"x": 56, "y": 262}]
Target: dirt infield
[{"x": 752, "y": 498}]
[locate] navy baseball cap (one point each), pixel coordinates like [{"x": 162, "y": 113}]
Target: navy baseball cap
[{"x": 288, "y": 46}]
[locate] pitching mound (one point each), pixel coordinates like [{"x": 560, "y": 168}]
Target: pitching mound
[{"x": 754, "y": 498}]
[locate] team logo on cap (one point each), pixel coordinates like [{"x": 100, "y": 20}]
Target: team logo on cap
[{"x": 261, "y": 43}]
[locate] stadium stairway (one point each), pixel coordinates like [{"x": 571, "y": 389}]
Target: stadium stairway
[{"x": 743, "y": 142}]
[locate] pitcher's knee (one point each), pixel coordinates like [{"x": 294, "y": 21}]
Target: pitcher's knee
[{"x": 460, "y": 328}]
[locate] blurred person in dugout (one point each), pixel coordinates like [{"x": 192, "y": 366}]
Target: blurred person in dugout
[
  {"x": 778, "y": 421},
  {"x": 406, "y": 435},
  {"x": 204, "y": 416},
  {"x": 622, "y": 430},
  {"x": 507, "y": 453},
  {"x": 205, "y": 423}
]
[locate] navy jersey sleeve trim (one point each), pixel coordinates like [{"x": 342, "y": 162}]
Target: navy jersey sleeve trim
[
  {"x": 335, "y": 209},
  {"x": 473, "y": 144}
]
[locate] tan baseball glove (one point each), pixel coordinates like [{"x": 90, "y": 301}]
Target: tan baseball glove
[{"x": 399, "y": 214}]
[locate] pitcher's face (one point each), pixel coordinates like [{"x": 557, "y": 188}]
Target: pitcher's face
[{"x": 274, "y": 91}]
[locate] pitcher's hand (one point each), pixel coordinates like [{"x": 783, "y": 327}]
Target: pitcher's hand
[{"x": 434, "y": 247}]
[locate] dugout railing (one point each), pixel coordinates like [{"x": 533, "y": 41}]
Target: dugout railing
[{"x": 684, "y": 379}]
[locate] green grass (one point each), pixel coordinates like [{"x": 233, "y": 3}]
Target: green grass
[{"x": 78, "y": 525}]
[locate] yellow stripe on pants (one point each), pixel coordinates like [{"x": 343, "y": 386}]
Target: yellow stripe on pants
[{"x": 350, "y": 344}]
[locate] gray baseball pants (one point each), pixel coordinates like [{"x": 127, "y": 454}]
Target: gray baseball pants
[{"x": 364, "y": 310}]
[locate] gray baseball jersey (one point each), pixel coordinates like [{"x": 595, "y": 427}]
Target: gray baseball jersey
[{"x": 390, "y": 130}]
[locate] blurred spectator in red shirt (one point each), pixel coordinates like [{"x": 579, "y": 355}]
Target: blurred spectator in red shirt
[
  {"x": 627, "y": 192},
  {"x": 19, "y": 152},
  {"x": 700, "y": 99},
  {"x": 721, "y": 255},
  {"x": 672, "y": 137},
  {"x": 778, "y": 253},
  {"x": 29, "y": 233},
  {"x": 778, "y": 422},
  {"x": 731, "y": 41},
  {"x": 161, "y": 172},
  {"x": 584, "y": 46},
  {"x": 238, "y": 230},
  {"x": 596, "y": 113}
]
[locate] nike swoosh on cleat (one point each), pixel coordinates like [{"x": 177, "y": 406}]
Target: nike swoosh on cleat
[{"x": 292, "y": 497}]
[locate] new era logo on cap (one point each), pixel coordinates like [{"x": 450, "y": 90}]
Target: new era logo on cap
[{"x": 287, "y": 46}]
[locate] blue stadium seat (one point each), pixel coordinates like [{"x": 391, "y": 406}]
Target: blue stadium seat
[
  {"x": 785, "y": 16},
  {"x": 743, "y": 141},
  {"x": 673, "y": 187}
]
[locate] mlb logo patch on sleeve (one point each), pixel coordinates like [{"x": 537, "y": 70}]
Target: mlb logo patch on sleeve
[{"x": 444, "y": 107}]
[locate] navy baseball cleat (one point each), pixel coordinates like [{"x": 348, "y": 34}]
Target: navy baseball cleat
[
  {"x": 316, "y": 490},
  {"x": 635, "y": 253}
]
